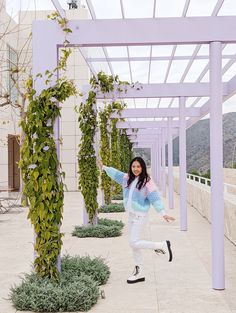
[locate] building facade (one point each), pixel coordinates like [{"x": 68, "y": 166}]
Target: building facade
[{"x": 16, "y": 49}]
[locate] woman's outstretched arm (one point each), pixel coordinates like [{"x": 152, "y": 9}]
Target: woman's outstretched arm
[{"x": 113, "y": 173}]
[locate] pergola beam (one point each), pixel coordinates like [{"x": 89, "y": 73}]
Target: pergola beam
[
  {"x": 165, "y": 90},
  {"x": 128, "y": 32},
  {"x": 142, "y": 145},
  {"x": 187, "y": 30},
  {"x": 154, "y": 131},
  {"x": 160, "y": 58},
  {"x": 146, "y": 124},
  {"x": 230, "y": 87},
  {"x": 158, "y": 112}
]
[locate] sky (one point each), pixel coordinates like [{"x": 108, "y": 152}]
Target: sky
[{"x": 140, "y": 8}]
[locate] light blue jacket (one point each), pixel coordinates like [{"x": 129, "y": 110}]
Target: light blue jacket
[{"x": 141, "y": 199}]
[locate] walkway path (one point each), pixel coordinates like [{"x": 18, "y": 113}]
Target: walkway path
[{"x": 183, "y": 286}]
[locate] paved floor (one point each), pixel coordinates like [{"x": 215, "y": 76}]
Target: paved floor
[{"x": 183, "y": 286}]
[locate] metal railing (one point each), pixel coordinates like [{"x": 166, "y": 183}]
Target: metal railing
[
  {"x": 229, "y": 189},
  {"x": 199, "y": 179}
]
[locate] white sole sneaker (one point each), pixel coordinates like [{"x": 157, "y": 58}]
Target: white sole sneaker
[
  {"x": 138, "y": 280},
  {"x": 166, "y": 250},
  {"x": 136, "y": 277}
]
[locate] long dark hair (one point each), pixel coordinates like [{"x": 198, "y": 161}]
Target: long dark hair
[{"x": 143, "y": 177}]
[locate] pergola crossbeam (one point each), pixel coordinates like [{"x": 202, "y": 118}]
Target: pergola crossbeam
[
  {"x": 146, "y": 124},
  {"x": 158, "y": 112},
  {"x": 169, "y": 31},
  {"x": 166, "y": 90}
]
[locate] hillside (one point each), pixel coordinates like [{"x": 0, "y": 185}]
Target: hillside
[{"x": 198, "y": 144}]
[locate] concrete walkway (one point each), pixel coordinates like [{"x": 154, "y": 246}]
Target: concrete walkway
[{"x": 183, "y": 286}]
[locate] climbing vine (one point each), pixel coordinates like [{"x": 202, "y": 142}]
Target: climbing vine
[
  {"x": 126, "y": 154},
  {"x": 105, "y": 153},
  {"x": 88, "y": 171},
  {"x": 115, "y": 153},
  {"x": 109, "y": 145},
  {"x": 39, "y": 164}
]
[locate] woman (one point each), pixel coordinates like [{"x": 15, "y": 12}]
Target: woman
[{"x": 139, "y": 193}]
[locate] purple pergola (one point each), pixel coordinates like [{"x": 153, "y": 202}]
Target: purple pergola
[{"x": 157, "y": 126}]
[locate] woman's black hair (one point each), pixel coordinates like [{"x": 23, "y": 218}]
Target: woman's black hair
[{"x": 143, "y": 177}]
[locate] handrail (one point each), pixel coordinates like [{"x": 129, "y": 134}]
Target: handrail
[
  {"x": 199, "y": 179},
  {"x": 229, "y": 189}
]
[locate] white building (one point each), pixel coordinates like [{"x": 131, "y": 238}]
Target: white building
[{"x": 15, "y": 48}]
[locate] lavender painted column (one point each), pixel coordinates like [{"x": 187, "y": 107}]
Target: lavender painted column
[
  {"x": 182, "y": 164},
  {"x": 85, "y": 214},
  {"x": 96, "y": 148},
  {"x": 159, "y": 163},
  {"x": 45, "y": 57},
  {"x": 216, "y": 152},
  {"x": 153, "y": 165},
  {"x": 155, "y": 159},
  {"x": 163, "y": 162},
  {"x": 170, "y": 166}
]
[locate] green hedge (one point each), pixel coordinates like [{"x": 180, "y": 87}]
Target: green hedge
[
  {"x": 104, "y": 228},
  {"x": 76, "y": 290},
  {"x": 112, "y": 207}
]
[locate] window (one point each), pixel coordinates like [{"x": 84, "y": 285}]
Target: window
[{"x": 12, "y": 58}]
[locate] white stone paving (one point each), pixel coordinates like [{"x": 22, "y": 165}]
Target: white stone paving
[{"x": 183, "y": 286}]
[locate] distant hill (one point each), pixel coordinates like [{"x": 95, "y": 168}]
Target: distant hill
[{"x": 198, "y": 145}]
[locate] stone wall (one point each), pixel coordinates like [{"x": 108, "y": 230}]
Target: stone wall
[{"x": 198, "y": 196}]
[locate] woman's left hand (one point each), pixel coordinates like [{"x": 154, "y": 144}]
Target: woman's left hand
[{"x": 168, "y": 218}]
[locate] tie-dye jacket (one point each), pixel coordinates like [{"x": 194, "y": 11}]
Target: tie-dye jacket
[{"x": 141, "y": 199}]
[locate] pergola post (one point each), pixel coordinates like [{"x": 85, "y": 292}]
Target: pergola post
[
  {"x": 182, "y": 164},
  {"x": 159, "y": 161},
  {"x": 163, "y": 162},
  {"x": 170, "y": 166},
  {"x": 154, "y": 160},
  {"x": 85, "y": 214},
  {"x": 45, "y": 56},
  {"x": 216, "y": 153}
]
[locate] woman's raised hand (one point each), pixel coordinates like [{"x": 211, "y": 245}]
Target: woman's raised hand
[{"x": 168, "y": 218}]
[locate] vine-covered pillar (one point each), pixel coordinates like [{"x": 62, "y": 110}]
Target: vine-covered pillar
[
  {"x": 96, "y": 148},
  {"x": 86, "y": 221},
  {"x": 85, "y": 213},
  {"x": 115, "y": 155},
  {"x": 45, "y": 58}
]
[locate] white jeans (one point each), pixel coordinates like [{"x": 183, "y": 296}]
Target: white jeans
[{"x": 136, "y": 227}]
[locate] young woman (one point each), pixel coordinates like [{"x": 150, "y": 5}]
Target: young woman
[{"x": 139, "y": 193}]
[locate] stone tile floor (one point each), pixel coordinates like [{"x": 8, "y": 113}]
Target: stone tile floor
[{"x": 183, "y": 286}]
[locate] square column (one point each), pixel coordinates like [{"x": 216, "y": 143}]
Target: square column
[
  {"x": 45, "y": 57},
  {"x": 159, "y": 162},
  {"x": 170, "y": 166},
  {"x": 163, "y": 163},
  {"x": 182, "y": 165},
  {"x": 216, "y": 153},
  {"x": 154, "y": 161}
]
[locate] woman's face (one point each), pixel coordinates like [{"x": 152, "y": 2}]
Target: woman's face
[{"x": 136, "y": 168}]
